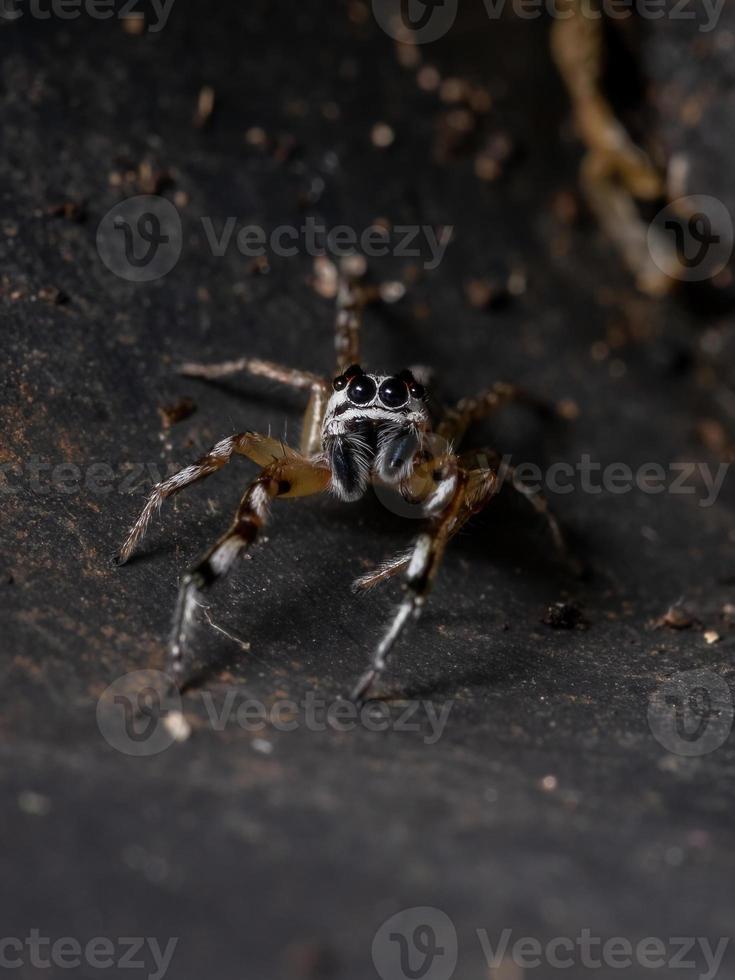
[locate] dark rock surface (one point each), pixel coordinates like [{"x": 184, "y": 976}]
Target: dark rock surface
[{"x": 546, "y": 806}]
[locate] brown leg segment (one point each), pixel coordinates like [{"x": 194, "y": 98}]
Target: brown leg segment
[
  {"x": 261, "y": 449},
  {"x": 294, "y": 477},
  {"x": 457, "y": 420},
  {"x": 421, "y": 571}
]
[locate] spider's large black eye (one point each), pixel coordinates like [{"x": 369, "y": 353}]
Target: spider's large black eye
[
  {"x": 361, "y": 390},
  {"x": 393, "y": 392}
]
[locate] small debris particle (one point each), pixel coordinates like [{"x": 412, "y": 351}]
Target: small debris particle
[
  {"x": 177, "y": 726},
  {"x": 713, "y": 434},
  {"x": 205, "y": 106},
  {"x": 354, "y": 266},
  {"x": 262, "y": 745},
  {"x": 382, "y": 135},
  {"x": 567, "y": 409},
  {"x": 133, "y": 24},
  {"x": 452, "y": 90},
  {"x": 491, "y": 161},
  {"x": 486, "y": 294},
  {"x": 565, "y": 616},
  {"x": 428, "y": 78},
  {"x": 407, "y": 55},
  {"x": 171, "y": 414},
  {"x": 33, "y": 803},
  {"x": 677, "y": 617},
  {"x": 711, "y": 636},
  {"x": 69, "y": 210},
  {"x": 517, "y": 282},
  {"x": 259, "y": 266},
  {"x": 565, "y": 207},
  {"x": 311, "y": 960},
  {"x": 256, "y": 136},
  {"x": 549, "y": 784},
  {"x": 52, "y": 296},
  {"x": 326, "y": 277},
  {"x": 391, "y": 292}
]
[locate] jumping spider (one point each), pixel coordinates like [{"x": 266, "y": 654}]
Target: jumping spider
[{"x": 360, "y": 429}]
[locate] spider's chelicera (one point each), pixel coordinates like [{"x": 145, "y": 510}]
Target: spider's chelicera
[{"x": 359, "y": 430}]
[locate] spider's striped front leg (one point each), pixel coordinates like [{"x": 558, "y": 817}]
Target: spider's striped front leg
[
  {"x": 294, "y": 477},
  {"x": 261, "y": 449},
  {"x": 423, "y": 564}
]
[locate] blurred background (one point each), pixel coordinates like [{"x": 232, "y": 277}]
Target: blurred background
[{"x": 566, "y": 180}]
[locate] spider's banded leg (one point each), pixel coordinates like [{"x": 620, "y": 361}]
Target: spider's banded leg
[
  {"x": 423, "y": 565},
  {"x": 481, "y": 485},
  {"x": 351, "y": 302},
  {"x": 311, "y": 432},
  {"x": 292, "y": 377},
  {"x": 282, "y": 478},
  {"x": 261, "y": 449},
  {"x": 501, "y": 472},
  {"x": 457, "y": 420},
  {"x": 311, "y": 426}
]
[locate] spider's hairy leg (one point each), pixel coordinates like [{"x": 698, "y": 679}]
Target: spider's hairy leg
[
  {"x": 487, "y": 461},
  {"x": 311, "y": 426},
  {"x": 292, "y": 377},
  {"x": 352, "y": 298},
  {"x": 261, "y": 449},
  {"x": 293, "y": 477},
  {"x": 426, "y": 556},
  {"x": 477, "y": 407},
  {"x": 318, "y": 387},
  {"x": 482, "y": 483}
]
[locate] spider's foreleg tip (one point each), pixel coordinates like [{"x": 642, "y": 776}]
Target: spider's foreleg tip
[{"x": 361, "y": 690}]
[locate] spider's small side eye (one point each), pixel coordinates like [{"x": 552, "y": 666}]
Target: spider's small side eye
[
  {"x": 393, "y": 392},
  {"x": 342, "y": 380},
  {"x": 361, "y": 390},
  {"x": 415, "y": 389}
]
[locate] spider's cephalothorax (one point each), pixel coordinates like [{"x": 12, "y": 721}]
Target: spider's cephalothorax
[
  {"x": 358, "y": 430},
  {"x": 373, "y": 427}
]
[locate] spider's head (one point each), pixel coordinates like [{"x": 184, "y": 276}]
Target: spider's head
[
  {"x": 378, "y": 395},
  {"x": 373, "y": 426}
]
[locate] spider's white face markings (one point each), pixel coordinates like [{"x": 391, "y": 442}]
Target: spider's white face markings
[
  {"x": 373, "y": 426},
  {"x": 343, "y": 410}
]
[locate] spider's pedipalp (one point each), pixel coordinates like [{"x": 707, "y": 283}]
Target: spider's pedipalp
[
  {"x": 397, "y": 448},
  {"x": 349, "y": 460}
]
